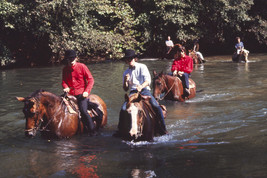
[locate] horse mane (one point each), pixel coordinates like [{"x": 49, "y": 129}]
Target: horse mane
[
  {"x": 133, "y": 98},
  {"x": 37, "y": 92},
  {"x": 40, "y": 92}
]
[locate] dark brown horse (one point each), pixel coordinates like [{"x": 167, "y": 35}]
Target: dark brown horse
[
  {"x": 138, "y": 122},
  {"x": 172, "y": 87},
  {"x": 171, "y": 54},
  {"x": 56, "y": 116}
]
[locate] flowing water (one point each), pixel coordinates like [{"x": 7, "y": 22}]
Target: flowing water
[{"x": 222, "y": 132}]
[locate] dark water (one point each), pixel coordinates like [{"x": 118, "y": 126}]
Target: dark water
[{"x": 222, "y": 132}]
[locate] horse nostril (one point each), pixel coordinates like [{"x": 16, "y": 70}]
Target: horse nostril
[{"x": 29, "y": 134}]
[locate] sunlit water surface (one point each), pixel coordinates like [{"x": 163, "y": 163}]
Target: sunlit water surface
[{"x": 222, "y": 132}]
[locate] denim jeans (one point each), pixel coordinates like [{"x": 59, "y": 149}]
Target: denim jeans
[
  {"x": 154, "y": 104},
  {"x": 185, "y": 79}
]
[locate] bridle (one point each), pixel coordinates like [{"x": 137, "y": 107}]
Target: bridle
[
  {"x": 36, "y": 115},
  {"x": 163, "y": 81}
]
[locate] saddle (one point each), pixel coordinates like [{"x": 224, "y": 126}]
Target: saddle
[{"x": 72, "y": 106}]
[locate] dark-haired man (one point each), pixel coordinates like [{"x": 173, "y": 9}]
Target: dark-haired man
[
  {"x": 182, "y": 66},
  {"x": 77, "y": 80}
]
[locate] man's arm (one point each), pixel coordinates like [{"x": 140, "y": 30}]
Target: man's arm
[
  {"x": 126, "y": 82},
  {"x": 90, "y": 81},
  {"x": 140, "y": 87},
  {"x": 64, "y": 82}
]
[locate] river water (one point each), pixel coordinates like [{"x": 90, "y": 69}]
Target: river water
[{"x": 222, "y": 132}]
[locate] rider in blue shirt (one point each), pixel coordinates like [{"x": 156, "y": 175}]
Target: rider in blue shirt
[{"x": 137, "y": 79}]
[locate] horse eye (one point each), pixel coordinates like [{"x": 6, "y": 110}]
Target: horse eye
[
  {"x": 27, "y": 109},
  {"x": 158, "y": 83}
]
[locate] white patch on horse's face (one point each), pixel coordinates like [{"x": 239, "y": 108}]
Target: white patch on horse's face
[{"x": 133, "y": 110}]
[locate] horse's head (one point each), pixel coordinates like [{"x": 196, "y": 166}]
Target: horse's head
[
  {"x": 32, "y": 114},
  {"x": 159, "y": 84},
  {"x": 135, "y": 109}
]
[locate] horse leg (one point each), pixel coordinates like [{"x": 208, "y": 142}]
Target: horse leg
[{"x": 86, "y": 118}]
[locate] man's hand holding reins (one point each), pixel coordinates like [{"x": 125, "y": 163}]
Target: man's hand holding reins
[
  {"x": 67, "y": 90},
  {"x": 85, "y": 94},
  {"x": 126, "y": 82}
]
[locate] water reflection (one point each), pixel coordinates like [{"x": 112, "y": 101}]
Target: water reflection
[
  {"x": 214, "y": 132},
  {"x": 85, "y": 167},
  {"x": 62, "y": 155},
  {"x": 138, "y": 173}
]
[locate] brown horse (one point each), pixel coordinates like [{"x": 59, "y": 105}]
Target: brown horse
[
  {"x": 172, "y": 87},
  {"x": 58, "y": 117},
  {"x": 138, "y": 122},
  {"x": 196, "y": 58},
  {"x": 171, "y": 54}
]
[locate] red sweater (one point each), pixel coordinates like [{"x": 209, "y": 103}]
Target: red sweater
[
  {"x": 78, "y": 78},
  {"x": 183, "y": 64}
]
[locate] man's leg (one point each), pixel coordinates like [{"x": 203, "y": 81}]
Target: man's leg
[
  {"x": 86, "y": 118},
  {"x": 185, "y": 80},
  {"x": 157, "y": 109}
]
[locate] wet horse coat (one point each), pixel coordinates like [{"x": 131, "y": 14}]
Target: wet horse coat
[
  {"x": 172, "y": 87},
  {"x": 139, "y": 121},
  {"x": 50, "y": 114}
]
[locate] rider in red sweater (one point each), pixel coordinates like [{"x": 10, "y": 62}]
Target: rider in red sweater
[
  {"x": 77, "y": 80},
  {"x": 182, "y": 66}
]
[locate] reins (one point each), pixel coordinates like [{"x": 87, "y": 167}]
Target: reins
[
  {"x": 169, "y": 88},
  {"x": 52, "y": 118}
]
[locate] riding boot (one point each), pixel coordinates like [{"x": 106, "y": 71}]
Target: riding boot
[{"x": 98, "y": 118}]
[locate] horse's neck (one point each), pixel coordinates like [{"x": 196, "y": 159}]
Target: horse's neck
[
  {"x": 170, "y": 80},
  {"x": 52, "y": 105},
  {"x": 148, "y": 109}
]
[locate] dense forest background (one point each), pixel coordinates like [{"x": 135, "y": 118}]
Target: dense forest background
[{"x": 36, "y": 32}]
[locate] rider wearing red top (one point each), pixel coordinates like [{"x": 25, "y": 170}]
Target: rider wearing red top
[
  {"x": 182, "y": 66},
  {"x": 74, "y": 78},
  {"x": 77, "y": 80}
]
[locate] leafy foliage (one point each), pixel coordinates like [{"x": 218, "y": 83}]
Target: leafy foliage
[{"x": 36, "y": 32}]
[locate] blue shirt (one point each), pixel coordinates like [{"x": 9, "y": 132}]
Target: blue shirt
[
  {"x": 239, "y": 45},
  {"x": 138, "y": 75}
]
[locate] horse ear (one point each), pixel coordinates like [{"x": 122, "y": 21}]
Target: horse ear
[
  {"x": 161, "y": 73},
  {"x": 154, "y": 73},
  {"x": 22, "y": 99},
  {"x": 126, "y": 97}
]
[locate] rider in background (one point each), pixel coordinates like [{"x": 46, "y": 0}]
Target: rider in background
[
  {"x": 182, "y": 66},
  {"x": 169, "y": 44},
  {"x": 240, "y": 48},
  {"x": 78, "y": 81},
  {"x": 196, "y": 50},
  {"x": 137, "y": 79}
]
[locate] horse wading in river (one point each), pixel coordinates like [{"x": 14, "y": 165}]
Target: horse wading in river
[
  {"x": 172, "y": 87},
  {"x": 139, "y": 122},
  {"x": 58, "y": 117},
  {"x": 196, "y": 58},
  {"x": 242, "y": 57}
]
